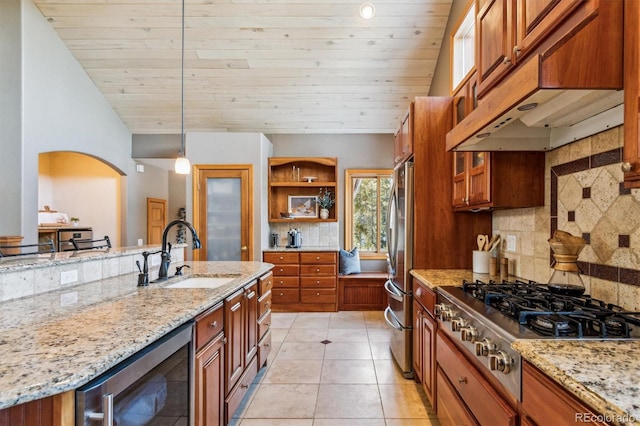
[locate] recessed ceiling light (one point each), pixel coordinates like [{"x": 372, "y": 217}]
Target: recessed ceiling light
[{"x": 367, "y": 10}]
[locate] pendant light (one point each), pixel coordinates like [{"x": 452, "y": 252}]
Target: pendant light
[{"x": 182, "y": 166}]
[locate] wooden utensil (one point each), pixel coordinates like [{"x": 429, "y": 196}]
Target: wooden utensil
[
  {"x": 491, "y": 242},
  {"x": 496, "y": 242},
  {"x": 481, "y": 240}
]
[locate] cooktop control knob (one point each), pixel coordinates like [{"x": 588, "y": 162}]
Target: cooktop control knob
[
  {"x": 469, "y": 333},
  {"x": 500, "y": 361},
  {"x": 439, "y": 307},
  {"x": 485, "y": 347},
  {"x": 458, "y": 324}
]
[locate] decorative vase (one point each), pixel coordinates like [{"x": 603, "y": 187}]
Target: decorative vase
[{"x": 324, "y": 213}]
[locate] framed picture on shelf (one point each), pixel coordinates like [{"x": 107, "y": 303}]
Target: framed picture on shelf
[{"x": 303, "y": 206}]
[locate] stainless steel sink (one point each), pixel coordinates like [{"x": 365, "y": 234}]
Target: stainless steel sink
[{"x": 204, "y": 282}]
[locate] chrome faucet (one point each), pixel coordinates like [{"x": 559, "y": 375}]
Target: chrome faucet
[{"x": 166, "y": 254}]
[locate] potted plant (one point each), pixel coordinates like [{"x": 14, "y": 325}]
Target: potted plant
[
  {"x": 325, "y": 202},
  {"x": 75, "y": 221}
]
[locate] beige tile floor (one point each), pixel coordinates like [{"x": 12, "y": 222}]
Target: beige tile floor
[{"x": 350, "y": 381}]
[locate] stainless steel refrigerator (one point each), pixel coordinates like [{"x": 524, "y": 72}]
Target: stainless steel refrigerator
[{"x": 400, "y": 243}]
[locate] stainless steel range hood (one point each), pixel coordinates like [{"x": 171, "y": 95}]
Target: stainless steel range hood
[{"x": 524, "y": 114}]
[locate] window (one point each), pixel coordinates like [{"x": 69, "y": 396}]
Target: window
[{"x": 366, "y": 202}]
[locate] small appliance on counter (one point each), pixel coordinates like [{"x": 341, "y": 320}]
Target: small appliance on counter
[{"x": 294, "y": 238}]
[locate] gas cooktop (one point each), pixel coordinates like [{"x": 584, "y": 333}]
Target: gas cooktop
[{"x": 547, "y": 314}]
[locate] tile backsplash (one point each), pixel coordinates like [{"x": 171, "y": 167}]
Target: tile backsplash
[
  {"x": 314, "y": 234},
  {"x": 584, "y": 195}
]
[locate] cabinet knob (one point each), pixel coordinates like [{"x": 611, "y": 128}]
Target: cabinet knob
[
  {"x": 266, "y": 324},
  {"x": 244, "y": 386},
  {"x": 281, "y": 270},
  {"x": 318, "y": 270},
  {"x": 317, "y": 294},
  {"x": 318, "y": 282},
  {"x": 626, "y": 167},
  {"x": 506, "y": 61},
  {"x": 516, "y": 50},
  {"x": 281, "y": 257},
  {"x": 317, "y": 257},
  {"x": 214, "y": 324},
  {"x": 462, "y": 380},
  {"x": 281, "y": 294}
]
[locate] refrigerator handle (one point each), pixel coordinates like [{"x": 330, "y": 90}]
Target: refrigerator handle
[
  {"x": 392, "y": 239},
  {"x": 390, "y": 318},
  {"x": 393, "y": 291}
]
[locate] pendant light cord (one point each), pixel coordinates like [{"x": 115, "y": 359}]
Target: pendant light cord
[{"x": 182, "y": 88}]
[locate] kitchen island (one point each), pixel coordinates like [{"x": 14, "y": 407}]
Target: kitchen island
[
  {"x": 602, "y": 374},
  {"x": 57, "y": 341}
]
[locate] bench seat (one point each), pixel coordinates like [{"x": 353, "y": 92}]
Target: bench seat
[{"x": 362, "y": 292}]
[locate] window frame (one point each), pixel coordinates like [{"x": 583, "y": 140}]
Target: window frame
[{"x": 349, "y": 174}]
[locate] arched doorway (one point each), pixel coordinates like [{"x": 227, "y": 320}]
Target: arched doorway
[{"x": 84, "y": 187}]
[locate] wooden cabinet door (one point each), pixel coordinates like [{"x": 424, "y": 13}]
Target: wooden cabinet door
[
  {"x": 251, "y": 318},
  {"x": 403, "y": 142},
  {"x": 631, "y": 150},
  {"x": 417, "y": 340},
  {"x": 428, "y": 331},
  {"x": 209, "y": 384},
  {"x": 397, "y": 145},
  {"x": 479, "y": 175},
  {"x": 460, "y": 179},
  {"x": 536, "y": 19},
  {"x": 234, "y": 325},
  {"x": 495, "y": 27}
]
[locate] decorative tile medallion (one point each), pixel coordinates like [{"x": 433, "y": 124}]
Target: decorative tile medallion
[{"x": 588, "y": 199}]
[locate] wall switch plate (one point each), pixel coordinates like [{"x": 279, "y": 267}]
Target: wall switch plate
[
  {"x": 140, "y": 241},
  {"x": 68, "y": 277},
  {"x": 511, "y": 243}
]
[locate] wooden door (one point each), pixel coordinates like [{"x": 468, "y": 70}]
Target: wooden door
[
  {"x": 428, "y": 328},
  {"x": 156, "y": 219},
  {"x": 417, "y": 340},
  {"x": 223, "y": 212},
  {"x": 460, "y": 179},
  {"x": 209, "y": 384}
]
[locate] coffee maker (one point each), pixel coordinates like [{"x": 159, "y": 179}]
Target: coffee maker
[{"x": 294, "y": 238}]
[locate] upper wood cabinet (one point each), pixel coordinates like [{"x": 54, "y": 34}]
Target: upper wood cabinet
[
  {"x": 631, "y": 151},
  {"x": 301, "y": 176},
  {"x": 403, "y": 143},
  {"x": 508, "y": 30},
  {"x": 497, "y": 180}
]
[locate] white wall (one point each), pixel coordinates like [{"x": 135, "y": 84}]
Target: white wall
[{"x": 60, "y": 109}]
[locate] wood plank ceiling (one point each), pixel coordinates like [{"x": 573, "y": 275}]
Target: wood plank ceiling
[{"x": 270, "y": 66}]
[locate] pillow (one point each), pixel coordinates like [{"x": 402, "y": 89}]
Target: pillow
[{"x": 349, "y": 261}]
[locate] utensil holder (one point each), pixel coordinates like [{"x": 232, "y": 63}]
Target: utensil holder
[{"x": 481, "y": 261}]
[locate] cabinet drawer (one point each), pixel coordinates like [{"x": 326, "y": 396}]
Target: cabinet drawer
[
  {"x": 425, "y": 296},
  {"x": 285, "y": 270},
  {"x": 318, "y": 282},
  {"x": 278, "y": 258},
  {"x": 318, "y": 257},
  {"x": 451, "y": 410},
  {"x": 321, "y": 295},
  {"x": 264, "y": 349},
  {"x": 265, "y": 283},
  {"x": 285, "y": 282},
  {"x": 264, "y": 303},
  {"x": 485, "y": 404},
  {"x": 208, "y": 325},
  {"x": 264, "y": 323},
  {"x": 285, "y": 295},
  {"x": 237, "y": 394},
  {"x": 318, "y": 270}
]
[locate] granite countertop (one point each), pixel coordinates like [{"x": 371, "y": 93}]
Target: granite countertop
[
  {"x": 443, "y": 277},
  {"x": 603, "y": 374},
  {"x": 57, "y": 341},
  {"x": 303, "y": 248}
]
